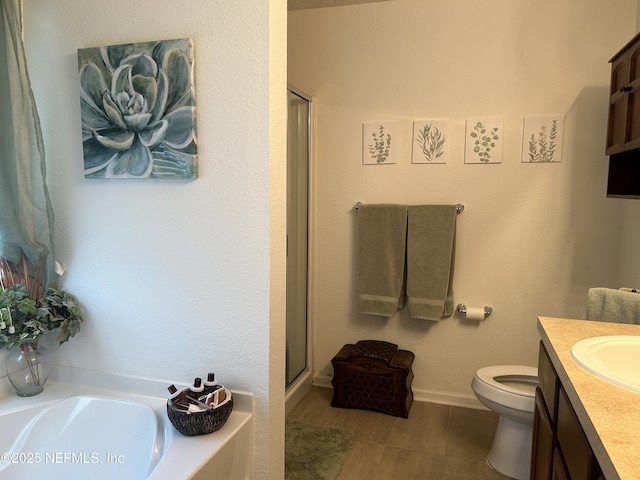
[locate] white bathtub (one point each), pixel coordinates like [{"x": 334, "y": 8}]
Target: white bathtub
[{"x": 76, "y": 430}]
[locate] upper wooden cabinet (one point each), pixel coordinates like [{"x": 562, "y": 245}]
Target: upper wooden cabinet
[{"x": 623, "y": 131}]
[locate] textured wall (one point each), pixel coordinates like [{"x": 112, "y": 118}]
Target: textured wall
[
  {"x": 533, "y": 237},
  {"x": 174, "y": 276}
]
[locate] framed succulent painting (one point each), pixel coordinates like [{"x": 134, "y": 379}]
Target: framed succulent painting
[{"x": 137, "y": 105}]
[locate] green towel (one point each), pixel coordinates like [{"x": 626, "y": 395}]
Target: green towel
[
  {"x": 431, "y": 235},
  {"x": 609, "y": 305},
  {"x": 382, "y": 233}
]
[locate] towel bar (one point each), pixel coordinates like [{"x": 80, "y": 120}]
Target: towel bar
[{"x": 459, "y": 207}]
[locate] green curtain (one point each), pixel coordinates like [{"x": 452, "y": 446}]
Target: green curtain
[{"x": 26, "y": 215}]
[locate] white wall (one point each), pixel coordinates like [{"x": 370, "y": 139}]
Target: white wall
[
  {"x": 174, "y": 277},
  {"x": 533, "y": 237}
]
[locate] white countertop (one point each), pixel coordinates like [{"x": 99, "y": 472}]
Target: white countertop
[{"x": 609, "y": 414}]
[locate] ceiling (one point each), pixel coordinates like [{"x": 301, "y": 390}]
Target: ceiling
[{"x": 304, "y": 4}]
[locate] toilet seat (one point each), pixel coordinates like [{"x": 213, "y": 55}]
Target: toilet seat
[{"x": 509, "y": 385}]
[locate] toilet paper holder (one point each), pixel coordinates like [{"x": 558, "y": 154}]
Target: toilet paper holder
[{"x": 462, "y": 309}]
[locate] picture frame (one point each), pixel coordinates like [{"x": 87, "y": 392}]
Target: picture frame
[
  {"x": 542, "y": 139},
  {"x": 430, "y": 142},
  {"x": 138, "y": 107},
  {"x": 379, "y": 143},
  {"x": 483, "y": 140}
]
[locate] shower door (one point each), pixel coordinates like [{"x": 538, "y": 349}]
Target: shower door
[{"x": 297, "y": 235}]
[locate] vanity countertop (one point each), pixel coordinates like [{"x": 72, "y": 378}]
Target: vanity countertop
[{"x": 609, "y": 414}]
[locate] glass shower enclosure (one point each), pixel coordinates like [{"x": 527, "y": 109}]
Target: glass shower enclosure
[{"x": 298, "y": 153}]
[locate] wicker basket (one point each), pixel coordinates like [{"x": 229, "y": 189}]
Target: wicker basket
[{"x": 202, "y": 422}]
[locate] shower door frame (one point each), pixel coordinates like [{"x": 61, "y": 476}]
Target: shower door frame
[{"x": 295, "y": 389}]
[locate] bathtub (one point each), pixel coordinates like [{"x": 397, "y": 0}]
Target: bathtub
[{"x": 80, "y": 428}]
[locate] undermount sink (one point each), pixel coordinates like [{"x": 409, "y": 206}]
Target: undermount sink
[{"x": 614, "y": 358}]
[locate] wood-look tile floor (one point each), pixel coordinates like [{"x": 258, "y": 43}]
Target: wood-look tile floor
[{"x": 436, "y": 442}]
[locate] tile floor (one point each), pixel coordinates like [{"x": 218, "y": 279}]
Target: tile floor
[{"x": 436, "y": 442}]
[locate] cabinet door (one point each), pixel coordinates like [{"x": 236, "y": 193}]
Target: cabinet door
[
  {"x": 549, "y": 383},
  {"x": 559, "y": 471},
  {"x": 632, "y": 89},
  {"x": 580, "y": 460},
  {"x": 542, "y": 442},
  {"x": 623, "y": 130},
  {"x": 618, "y": 104}
]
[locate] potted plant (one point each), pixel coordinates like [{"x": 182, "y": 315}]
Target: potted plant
[{"x": 27, "y": 312}]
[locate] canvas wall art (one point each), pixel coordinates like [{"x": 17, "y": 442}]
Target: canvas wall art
[
  {"x": 379, "y": 143},
  {"x": 542, "y": 139},
  {"x": 138, "y": 110},
  {"x": 430, "y": 141},
  {"x": 483, "y": 140}
]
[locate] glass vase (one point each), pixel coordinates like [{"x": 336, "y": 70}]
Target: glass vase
[{"x": 28, "y": 368}]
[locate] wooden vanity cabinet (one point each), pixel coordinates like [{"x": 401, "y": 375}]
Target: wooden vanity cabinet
[
  {"x": 559, "y": 471},
  {"x": 560, "y": 450},
  {"x": 623, "y": 130},
  {"x": 579, "y": 459},
  {"x": 543, "y": 443}
]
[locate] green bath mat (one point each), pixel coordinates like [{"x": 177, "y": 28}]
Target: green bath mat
[{"x": 314, "y": 452}]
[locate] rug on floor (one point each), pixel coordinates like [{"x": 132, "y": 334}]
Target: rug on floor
[{"x": 314, "y": 452}]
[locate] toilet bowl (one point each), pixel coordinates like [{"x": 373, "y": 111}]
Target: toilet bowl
[{"x": 509, "y": 391}]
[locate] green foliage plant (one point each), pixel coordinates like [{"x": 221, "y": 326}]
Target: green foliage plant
[
  {"x": 27, "y": 311},
  {"x": 25, "y": 319}
]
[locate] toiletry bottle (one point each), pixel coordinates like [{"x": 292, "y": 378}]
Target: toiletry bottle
[
  {"x": 178, "y": 397},
  {"x": 197, "y": 388},
  {"x": 210, "y": 384},
  {"x": 196, "y": 397},
  {"x": 187, "y": 398}
]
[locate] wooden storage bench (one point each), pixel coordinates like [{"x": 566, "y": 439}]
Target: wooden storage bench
[{"x": 374, "y": 375}]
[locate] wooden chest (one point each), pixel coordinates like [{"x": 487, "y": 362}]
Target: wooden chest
[{"x": 374, "y": 375}]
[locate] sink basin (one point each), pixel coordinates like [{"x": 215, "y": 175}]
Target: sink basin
[{"x": 614, "y": 358}]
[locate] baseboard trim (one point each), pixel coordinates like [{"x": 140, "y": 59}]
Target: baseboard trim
[{"x": 443, "y": 398}]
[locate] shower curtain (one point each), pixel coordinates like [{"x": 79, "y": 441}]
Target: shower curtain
[{"x": 26, "y": 214}]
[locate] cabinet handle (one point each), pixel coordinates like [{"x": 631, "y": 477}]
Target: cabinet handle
[{"x": 626, "y": 88}]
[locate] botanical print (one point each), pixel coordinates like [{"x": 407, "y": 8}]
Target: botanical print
[
  {"x": 138, "y": 110},
  {"x": 379, "y": 143},
  {"x": 542, "y": 139},
  {"x": 483, "y": 141},
  {"x": 430, "y": 141}
]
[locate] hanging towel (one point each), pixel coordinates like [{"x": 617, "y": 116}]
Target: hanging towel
[
  {"x": 431, "y": 234},
  {"x": 609, "y": 305},
  {"x": 382, "y": 235}
]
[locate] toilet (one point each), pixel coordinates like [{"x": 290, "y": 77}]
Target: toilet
[{"x": 509, "y": 391}]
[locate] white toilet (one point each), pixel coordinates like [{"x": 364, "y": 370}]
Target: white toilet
[{"x": 509, "y": 390}]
